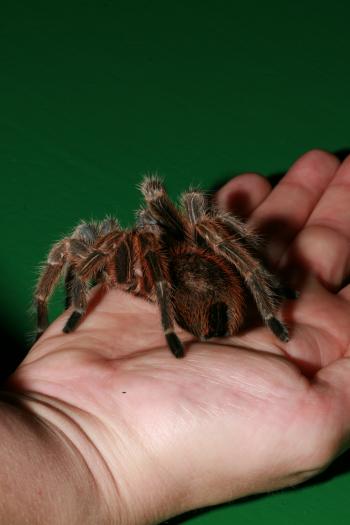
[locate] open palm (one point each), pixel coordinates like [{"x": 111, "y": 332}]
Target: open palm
[{"x": 237, "y": 415}]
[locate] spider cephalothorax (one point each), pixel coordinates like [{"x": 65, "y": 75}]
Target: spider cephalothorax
[{"x": 194, "y": 261}]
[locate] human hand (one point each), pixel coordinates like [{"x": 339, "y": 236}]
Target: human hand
[{"x": 237, "y": 415}]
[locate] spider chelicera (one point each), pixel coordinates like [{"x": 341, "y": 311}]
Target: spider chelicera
[{"x": 194, "y": 261}]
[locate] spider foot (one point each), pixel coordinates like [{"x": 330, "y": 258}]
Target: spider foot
[
  {"x": 278, "y": 328},
  {"x": 72, "y": 322},
  {"x": 175, "y": 344}
]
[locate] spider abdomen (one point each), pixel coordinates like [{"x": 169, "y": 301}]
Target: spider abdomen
[{"x": 207, "y": 293}]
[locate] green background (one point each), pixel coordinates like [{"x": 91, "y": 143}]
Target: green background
[{"x": 93, "y": 94}]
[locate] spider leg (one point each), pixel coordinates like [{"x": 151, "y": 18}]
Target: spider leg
[
  {"x": 160, "y": 207},
  {"x": 246, "y": 236},
  {"x": 85, "y": 234},
  {"x": 154, "y": 265},
  {"x": 237, "y": 228},
  {"x": 162, "y": 291},
  {"x": 109, "y": 246},
  {"x": 258, "y": 279},
  {"x": 79, "y": 249},
  {"x": 78, "y": 292},
  {"x": 108, "y": 225},
  {"x": 68, "y": 280},
  {"x": 197, "y": 207},
  {"x": 64, "y": 254},
  {"x": 56, "y": 261},
  {"x": 98, "y": 254},
  {"x": 214, "y": 232},
  {"x": 195, "y": 204}
]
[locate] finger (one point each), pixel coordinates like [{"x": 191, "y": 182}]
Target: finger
[
  {"x": 323, "y": 247},
  {"x": 333, "y": 209},
  {"x": 319, "y": 251},
  {"x": 243, "y": 194},
  {"x": 345, "y": 292},
  {"x": 286, "y": 210}
]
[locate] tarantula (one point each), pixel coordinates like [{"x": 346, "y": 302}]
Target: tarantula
[{"x": 195, "y": 262}]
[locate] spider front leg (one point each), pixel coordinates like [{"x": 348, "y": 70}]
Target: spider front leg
[
  {"x": 86, "y": 235},
  {"x": 92, "y": 265},
  {"x": 197, "y": 207},
  {"x": 214, "y": 231},
  {"x": 247, "y": 237},
  {"x": 161, "y": 209},
  {"x": 261, "y": 283}
]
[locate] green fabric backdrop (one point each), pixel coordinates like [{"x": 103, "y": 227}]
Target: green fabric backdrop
[{"x": 95, "y": 93}]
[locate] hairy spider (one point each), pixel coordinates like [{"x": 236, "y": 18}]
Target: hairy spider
[{"x": 194, "y": 261}]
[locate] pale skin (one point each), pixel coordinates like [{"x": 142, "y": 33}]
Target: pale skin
[{"x": 105, "y": 426}]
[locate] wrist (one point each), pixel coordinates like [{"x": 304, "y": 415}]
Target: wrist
[
  {"x": 46, "y": 474},
  {"x": 72, "y": 470}
]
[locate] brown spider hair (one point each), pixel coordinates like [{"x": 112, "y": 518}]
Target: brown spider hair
[{"x": 194, "y": 261}]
